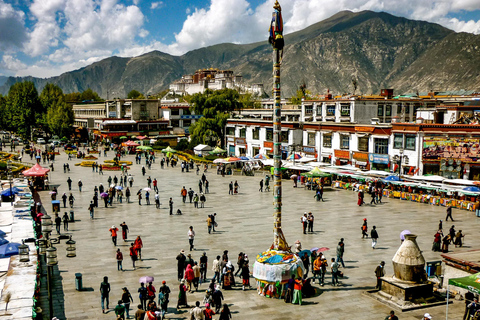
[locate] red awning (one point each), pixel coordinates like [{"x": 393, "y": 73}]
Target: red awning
[
  {"x": 141, "y": 137},
  {"x": 130, "y": 143},
  {"x": 35, "y": 171}
]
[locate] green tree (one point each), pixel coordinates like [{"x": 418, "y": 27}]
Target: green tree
[
  {"x": 73, "y": 97},
  {"x": 307, "y": 94},
  {"x": 249, "y": 101},
  {"x": 134, "y": 94},
  {"x": 215, "y": 107},
  {"x": 60, "y": 118},
  {"x": 24, "y": 107},
  {"x": 90, "y": 95},
  {"x": 4, "y": 115}
]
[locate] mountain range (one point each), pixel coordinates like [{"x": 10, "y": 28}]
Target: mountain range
[{"x": 376, "y": 49}]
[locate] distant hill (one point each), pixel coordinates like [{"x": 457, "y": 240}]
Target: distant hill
[{"x": 378, "y": 49}]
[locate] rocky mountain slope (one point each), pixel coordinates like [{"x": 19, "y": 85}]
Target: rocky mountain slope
[{"x": 379, "y": 50}]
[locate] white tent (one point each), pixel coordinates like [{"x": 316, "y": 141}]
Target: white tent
[{"x": 202, "y": 149}]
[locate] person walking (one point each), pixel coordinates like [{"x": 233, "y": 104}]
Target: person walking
[
  {"x": 138, "y": 243},
  {"x": 147, "y": 197},
  {"x": 157, "y": 201},
  {"x": 191, "y": 237},
  {"x": 449, "y": 213},
  {"x": 364, "y": 229},
  {"x": 230, "y": 188},
  {"x": 58, "y": 221},
  {"x": 64, "y": 199},
  {"x": 334, "y": 270},
  {"x": 310, "y": 220},
  {"x": 133, "y": 254},
  {"x": 126, "y": 299},
  {"x": 216, "y": 269},
  {"x": 105, "y": 293},
  {"x": 261, "y": 186},
  {"x": 297, "y": 291},
  {"x": 195, "y": 201},
  {"x": 340, "y": 251},
  {"x": 190, "y": 194},
  {"x": 304, "y": 221},
  {"x": 120, "y": 310},
  {"x": 65, "y": 220},
  {"x": 197, "y": 313},
  {"x": 140, "y": 313},
  {"x": 181, "y": 264},
  {"x": 127, "y": 194},
  {"x": 69, "y": 182},
  {"x": 183, "y": 193},
  {"x": 119, "y": 257},
  {"x": 374, "y": 236},
  {"x": 139, "y": 195},
  {"x": 125, "y": 230},
  {"x": 114, "y": 231},
  {"x": 202, "y": 200},
  {"x": 143, "y": 296},
  {"x": 379, "y": 273},
  {"x": 235, "y": 187},
  {"x": 209, "y": 224},
  {"x": 163, "y": 297},
  {"x": 360, "y": 198},
  {"x": 225, "y": 313},
  {"x": 155, "y": 187},
  {"x": 80, "y": 184},
  {"x": 170, "y": 204},
  {"x": 203, "y": 267}
]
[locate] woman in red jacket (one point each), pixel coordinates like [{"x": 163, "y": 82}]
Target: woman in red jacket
[
  {"x": 189, "y": 276},
  {"x": 138, "y": 246}
]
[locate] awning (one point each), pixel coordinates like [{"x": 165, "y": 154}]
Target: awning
[{"x": 35, "y": 171}]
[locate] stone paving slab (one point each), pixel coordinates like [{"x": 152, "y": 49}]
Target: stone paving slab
[{"x": 245, "y": 224}]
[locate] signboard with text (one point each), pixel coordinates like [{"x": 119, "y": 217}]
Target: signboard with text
[
  {"x": 342, "y": 154},
  {"x": 436, "y": 148},
  {"x": 378, "y": 158}
]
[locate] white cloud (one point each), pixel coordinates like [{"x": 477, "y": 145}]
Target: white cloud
[
  {"x": 12, "y": 29},
  {"x": 11, "y": 63},
  {"x": 156, "y": 5}
]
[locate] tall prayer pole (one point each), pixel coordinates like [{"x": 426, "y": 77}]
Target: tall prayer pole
[{"x": 277, "y": 41}]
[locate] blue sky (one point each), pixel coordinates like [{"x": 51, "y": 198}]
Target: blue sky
[{"x": 45, "y": 38}]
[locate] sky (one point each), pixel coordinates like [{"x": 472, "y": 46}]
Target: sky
[{"x": 45, "y": 38}]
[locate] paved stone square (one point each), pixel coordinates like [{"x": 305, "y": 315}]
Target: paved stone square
[{"x": 245, "y": 224}]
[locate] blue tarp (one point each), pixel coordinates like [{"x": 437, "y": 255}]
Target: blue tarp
[{"x": 392, "y": 178}]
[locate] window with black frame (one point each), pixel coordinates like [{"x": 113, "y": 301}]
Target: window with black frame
[
  {"x": 284, "y": 136},
  {"x": 380, "y": 110},
  {"x": 345, "y": 109},
  {"x": 230, "y": 131},
  {"x": 381, "y": 146},
  {"x": 269, "y": 136},
  {"x": 410, "y": 141},
  {"x": 344, "y": 141},
  {"x": 327, "y": 140},
  {"x": 256, "y": 133},
  {"x": 311, "y": 138},
  {"x": 243, "y": 133},
  {"x": 398, "y": 141},
  {"x": 331, "y": 110}
]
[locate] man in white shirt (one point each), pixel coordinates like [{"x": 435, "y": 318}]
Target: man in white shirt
[
  {"x": 197, "y": 312},
  {"x": 191, "y": 237}
]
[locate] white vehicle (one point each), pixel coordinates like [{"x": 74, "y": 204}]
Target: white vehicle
[{"x": 41, "y": 141}]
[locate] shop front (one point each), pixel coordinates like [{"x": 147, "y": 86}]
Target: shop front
[
  {"x": 268, "y": 148},
  {"x": 379, "y": 161},
  {"x": 452, "y": 157},
  {"x": 231, "y": 146},
  {"x": 241, "y": 144},
  {"x": 309, "y": 152},
  {"x": 361, "y": 160},
  {"x": 342, "y": 157}
]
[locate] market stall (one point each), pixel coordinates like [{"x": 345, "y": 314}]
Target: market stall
[{"x": 38, "y": 175}]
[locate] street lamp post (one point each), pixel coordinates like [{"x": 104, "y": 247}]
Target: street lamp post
[
  {"x": 51, "y": 262},
  {"x": 400, "y": 166}
]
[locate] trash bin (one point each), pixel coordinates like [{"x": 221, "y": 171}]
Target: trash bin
[
  {"x": 78, "y": 281},
  {"x": 56, "y": 206},
  {"x": 434, "y": 268},
  {"x": 72, "y": 216}
]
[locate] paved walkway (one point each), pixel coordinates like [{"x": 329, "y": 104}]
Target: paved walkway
[{"x": 245, "y": 224}]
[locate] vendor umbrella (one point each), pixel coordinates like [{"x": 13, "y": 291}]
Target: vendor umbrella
[
  {"x": 472, "y": 188},
  {"x": 52, "y": 192},
  {"x": 261, "y": 157},
  {"x": 3, "y": 241},
  {"x": 9, "y": 249},
  {"x": 104, "y": 195},
  {"x": 322, "y": 249},
  {"x": 302, "y": 253},
  {"x": 403, "y": 233},
  {"x": 295, "y": 156},
  {"x": 146, "y": 279},
  {"x": 219, "y": 160}
]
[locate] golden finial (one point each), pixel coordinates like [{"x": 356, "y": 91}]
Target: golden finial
[{"x": 276, "y": 6}]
